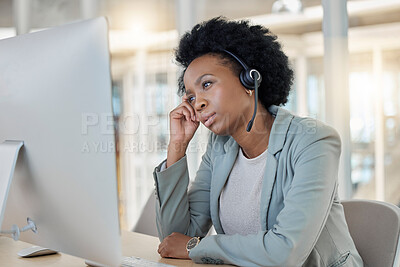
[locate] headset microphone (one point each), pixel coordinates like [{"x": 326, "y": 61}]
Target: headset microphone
[
  {"x": 250, "y": 79},
  {"x": 256, "y": 76}
]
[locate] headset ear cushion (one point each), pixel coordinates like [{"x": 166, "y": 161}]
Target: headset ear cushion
[{"x": 246, "y": 80}]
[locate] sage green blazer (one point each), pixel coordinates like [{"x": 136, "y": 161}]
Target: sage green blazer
[{"x": 302, "y": 220}]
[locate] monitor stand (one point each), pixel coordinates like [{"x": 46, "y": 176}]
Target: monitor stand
[
  {"x": 8, "y": 157},
  {"x": 9, "y": 151}
]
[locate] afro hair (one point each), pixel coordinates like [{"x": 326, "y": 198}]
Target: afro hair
[{"x": 255, "y": 45}]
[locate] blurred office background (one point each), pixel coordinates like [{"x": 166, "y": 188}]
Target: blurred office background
[{"x": 346, "y": 57}]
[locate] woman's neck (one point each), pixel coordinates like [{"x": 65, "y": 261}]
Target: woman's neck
[{"x": 255, "y": 142}]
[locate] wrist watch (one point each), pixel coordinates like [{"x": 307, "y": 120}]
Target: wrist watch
[{"x": 192, "y": 243}]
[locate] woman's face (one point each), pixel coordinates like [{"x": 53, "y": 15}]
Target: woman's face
[{"x": 217, "y": 96}]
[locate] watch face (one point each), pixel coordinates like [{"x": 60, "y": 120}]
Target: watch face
[{"x": 192, "y": 243}]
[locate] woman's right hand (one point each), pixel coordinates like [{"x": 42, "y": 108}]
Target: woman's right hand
[{"x": 183, "y": 125}]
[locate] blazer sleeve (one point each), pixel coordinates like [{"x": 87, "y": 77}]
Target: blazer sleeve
[
  {"x": 307, "y": 204},
  {"x": 180, "y": 210}
]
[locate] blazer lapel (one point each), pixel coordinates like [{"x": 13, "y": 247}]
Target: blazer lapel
[
  {"x": 222, "y": 167},
  {"x": 267, "y": 186},
  {"x": 276, "y": 142}
]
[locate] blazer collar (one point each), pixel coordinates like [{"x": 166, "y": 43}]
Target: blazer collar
[{"x": 280, "y": 128}]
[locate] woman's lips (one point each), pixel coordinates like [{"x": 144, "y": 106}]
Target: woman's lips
[{"x": 210, "y": 120}]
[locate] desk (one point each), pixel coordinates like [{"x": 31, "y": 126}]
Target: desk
[{"x": 133, "y": 244}]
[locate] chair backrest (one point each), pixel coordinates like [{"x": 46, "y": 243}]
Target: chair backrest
[
  {"x": 147, "y": 219},
  {"x": 375, "y": 229}
]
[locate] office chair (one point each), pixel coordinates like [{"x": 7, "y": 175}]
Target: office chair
[
  {"x": 147, "y": 219},
  {"x": 375, "y": 229}
]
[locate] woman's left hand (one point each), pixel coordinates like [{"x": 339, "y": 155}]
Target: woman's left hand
[{"x": 174, "y": 246}]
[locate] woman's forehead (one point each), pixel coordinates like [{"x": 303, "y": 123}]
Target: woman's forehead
[{"x": 208, "y": 63}]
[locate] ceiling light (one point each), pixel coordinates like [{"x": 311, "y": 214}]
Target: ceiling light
[{"x": 287, "y": 6}]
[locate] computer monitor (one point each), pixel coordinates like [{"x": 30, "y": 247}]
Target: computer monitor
[{"x": 55, "y": 96}]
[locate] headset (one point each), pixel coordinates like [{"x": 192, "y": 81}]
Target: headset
[{"x": 250, "y": 79}]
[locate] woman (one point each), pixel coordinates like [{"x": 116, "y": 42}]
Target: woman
[{"x": 268, "y": 188}]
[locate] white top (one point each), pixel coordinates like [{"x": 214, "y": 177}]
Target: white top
[{"x": 240, "y": 199}]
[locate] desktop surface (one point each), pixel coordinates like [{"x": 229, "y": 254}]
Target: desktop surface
[{"x": 133, "y": 244}]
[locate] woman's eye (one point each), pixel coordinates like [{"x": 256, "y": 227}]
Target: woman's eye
[
  {"x": 206, "y": 84},
  {"x": 191, "y": 99}
]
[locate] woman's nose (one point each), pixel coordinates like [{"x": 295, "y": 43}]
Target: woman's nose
[{"x": 200, "y": 104}]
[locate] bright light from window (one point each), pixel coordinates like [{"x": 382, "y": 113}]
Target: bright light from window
[{"x": 137, "y": 28}]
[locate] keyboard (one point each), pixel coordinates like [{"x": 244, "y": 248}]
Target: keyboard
[
  {"x": 136, "y": 261},
  {"x": 130, "y": 262}
]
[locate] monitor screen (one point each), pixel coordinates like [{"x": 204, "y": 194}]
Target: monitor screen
[{"x": 55, "y": 96}]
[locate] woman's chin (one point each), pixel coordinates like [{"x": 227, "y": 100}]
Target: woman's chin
[{"x": 219, "y": 130}]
